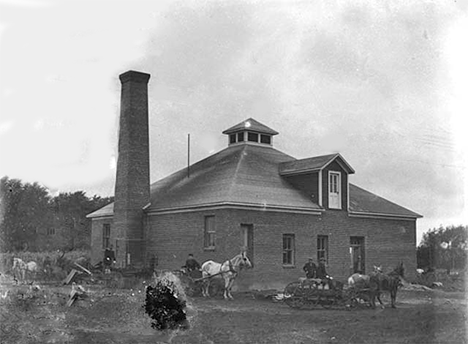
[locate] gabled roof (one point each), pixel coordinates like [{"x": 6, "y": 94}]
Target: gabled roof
[
  {"x": 251, "y": 125},
  {"x": 313, "y": 164},
  {"x": 366, "y": 203}
]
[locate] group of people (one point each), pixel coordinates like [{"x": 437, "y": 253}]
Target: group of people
[{"x": 318, "y": 272}]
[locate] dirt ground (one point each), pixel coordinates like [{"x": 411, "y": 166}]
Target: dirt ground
[{"x": 116, "y": 316}]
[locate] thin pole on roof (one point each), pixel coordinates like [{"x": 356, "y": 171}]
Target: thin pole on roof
[{"x": 188, "y": 156}]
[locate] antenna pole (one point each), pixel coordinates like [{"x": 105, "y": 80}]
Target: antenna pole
[{"x": 188, "y": 156}]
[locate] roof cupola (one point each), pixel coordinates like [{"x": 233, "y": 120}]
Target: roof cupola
[{"x": 250, "y": 131}]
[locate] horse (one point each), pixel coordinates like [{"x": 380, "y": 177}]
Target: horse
[
  {"x": 359, "y": 281},
  {"x": 21, "y": 268},
  {"x": 387, "y": 282},
  {"x": 229, "y": 270}
]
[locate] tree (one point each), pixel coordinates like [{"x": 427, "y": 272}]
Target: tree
[
  {"x": 444, "y": 247},
  {"x": 25, "y": 210},
  {"x": 30, "y": 219},
  {"x": 70, "y": 210}
]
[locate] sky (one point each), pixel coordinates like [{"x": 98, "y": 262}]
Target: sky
[{"x": 384, "y": 84}]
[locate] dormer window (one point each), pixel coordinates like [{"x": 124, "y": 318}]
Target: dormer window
[
  {"x": 334, "y": 190},
  {"x": 240, "y": 137}
]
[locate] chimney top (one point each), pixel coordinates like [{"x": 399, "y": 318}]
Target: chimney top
[{"x": 135, "y": 76}]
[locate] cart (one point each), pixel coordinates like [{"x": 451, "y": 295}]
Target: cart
[
  {"x": 312, "y": 293},
  {"x": 193, "y": 282}
]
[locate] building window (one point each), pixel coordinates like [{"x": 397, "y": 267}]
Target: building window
[
  {"x": 288, "y": 249},
  {"x": 209, "y": 232},
  {"x": 322, "y": 247},
  {"x": 105, "y": 235},
  {"x": 334, "y": 194},
  {"x": 50, "y": 231},
  {"x": 240, "y": 137},
  {"x": 232, "y": 138},
  {"x": 252, "y": 137},
  {"x": 357, "y": 252},
  {"x": 265, "y": 139}
]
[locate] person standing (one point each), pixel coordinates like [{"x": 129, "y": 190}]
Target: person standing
[
  {"x": 310, "y": 268},
  {"x": 109, "y": 258},
  {"x": 322, "y": 270}
]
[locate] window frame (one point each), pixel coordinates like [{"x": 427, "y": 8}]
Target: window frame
[
  {"x": 209, "y": 234},
  {"x": 289, "y": 251},
  {"x": 50, "y": 231},
  {"x": 252, "y": 137},
  {"x": 338, "y": 188},
  {"x": 106, "y": 229},
  {"x": 265, "y": 139},
  {"x": 322, "y": 247}
]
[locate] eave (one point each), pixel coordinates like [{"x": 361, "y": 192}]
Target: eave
[
  {"x": 361, "y": 214},
  {"x": 236, "y": 205}
]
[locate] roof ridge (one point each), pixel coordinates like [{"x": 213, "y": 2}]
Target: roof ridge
[{"x": 239, "y": 163}]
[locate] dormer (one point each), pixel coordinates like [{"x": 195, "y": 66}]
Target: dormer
[
  {"x": 250, "y": 132},
  {"x": 324, "y": 179}
]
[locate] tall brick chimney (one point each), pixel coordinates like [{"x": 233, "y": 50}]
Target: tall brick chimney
[{"x": 132, "y": 185}]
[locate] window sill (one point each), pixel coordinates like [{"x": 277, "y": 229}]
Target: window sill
[
  {"x": 208, "y": 249},
  {"x": 285, "y": 266}
]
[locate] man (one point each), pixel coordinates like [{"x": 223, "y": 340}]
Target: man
[
  {"x": 310, "y": 268},
  {"x": 321, "y": 269},
  {"x": 192, "y": 266},
  {"x": 109, "y": 258},
  {"x": 323, "y": 274}
]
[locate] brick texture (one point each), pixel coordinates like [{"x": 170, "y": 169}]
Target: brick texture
[
  {"x": 172, "y": 236},
  {"x": 132, "y": 190}
]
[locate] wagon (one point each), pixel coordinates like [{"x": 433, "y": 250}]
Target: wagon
[
  {"x": 193, "y": 283},
  {"x": 312, "y": 293}
]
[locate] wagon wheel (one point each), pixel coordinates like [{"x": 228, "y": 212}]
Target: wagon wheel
[
  {"x": 191, "y": 289},
  {"x": 327, "y": 301},
  {"x": 314, "y": 296},
  {"x": 294, "y": 295},
  {"x": 351, "y": 298},
  {"x": 214, "y": 288}
]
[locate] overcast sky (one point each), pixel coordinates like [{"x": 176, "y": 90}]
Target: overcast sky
[{"x": 384, "y": 85}]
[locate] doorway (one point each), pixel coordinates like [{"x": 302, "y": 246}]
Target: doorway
[
  {"x": 247, "y": 240},
  {"x": 357, "y": 252}
]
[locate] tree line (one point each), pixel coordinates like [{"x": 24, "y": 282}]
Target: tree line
[
  {"x": 444, "y": 247},
  {"x": 31, "y": 219}
]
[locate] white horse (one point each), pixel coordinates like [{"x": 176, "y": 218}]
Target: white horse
[
  {"x": 228, "y": 270},
  {"x": 21, "y": 268},
  {"x": 362, "y": 279}
]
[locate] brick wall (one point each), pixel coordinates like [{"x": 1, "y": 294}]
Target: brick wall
[
  {"x": 171, "y": 237},
  {"x": 132, "y": 187}
]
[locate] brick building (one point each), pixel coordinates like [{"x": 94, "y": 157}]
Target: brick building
[{"x": 281, "y": 209}]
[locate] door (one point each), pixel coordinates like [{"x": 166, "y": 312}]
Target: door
[
  {"x": 357, "y": 252},
  {"x": 334, "y": 200},
  {"x": 248, "y": 241}
]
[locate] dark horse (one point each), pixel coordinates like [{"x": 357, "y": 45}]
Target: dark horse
[{"x": 390, "y": 282}]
